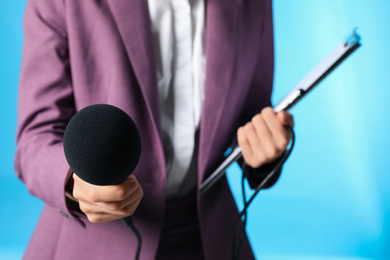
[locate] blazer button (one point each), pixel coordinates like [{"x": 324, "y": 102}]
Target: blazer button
[{"x": 64, "y": 214}]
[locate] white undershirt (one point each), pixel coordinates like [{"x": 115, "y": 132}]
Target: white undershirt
[{"x": 178, "y": 35}]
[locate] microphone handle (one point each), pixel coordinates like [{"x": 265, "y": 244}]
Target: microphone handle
[{"x": 128, "y": 221}]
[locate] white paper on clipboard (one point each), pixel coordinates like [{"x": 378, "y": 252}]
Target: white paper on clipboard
[{"x": 312, "y": 79}]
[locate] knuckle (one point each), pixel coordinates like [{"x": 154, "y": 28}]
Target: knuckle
[
  {"x": 248, "y": 127},
  {"x": 268, "y": 114},
  {"x": 283, "y": 143},
  {"x": 120, "y": 192},
  {"x": 127, "y": 211},
  {"x": 257, "y": 119},
  {"x": 138, "y": 194},
  {"x": 131, "y": 211},
  {"x": 76, "y": 194},
  {"x": 94, "y": 218},
  {"x": 267, "y": 111},
  {"x": 84, "y": 207},
  {"x": 114, "y": 206},
  {"x": 133, "y": 177},
  {"x": 283, "y": 140},
  {"x": 240, "y": 131},
  {"x": 241, "y": 137},
  {"x": 93, "y": 196},
  {"x": 272, "y": 153},
  {"x": 255, "y": 161}
]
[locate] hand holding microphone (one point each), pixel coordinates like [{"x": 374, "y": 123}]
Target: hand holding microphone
[
  {"x": 106, "y": 203},
  {"x": 102, "y": 146}
]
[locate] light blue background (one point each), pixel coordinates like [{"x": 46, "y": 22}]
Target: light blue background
[{"x": 333, "y": 200}]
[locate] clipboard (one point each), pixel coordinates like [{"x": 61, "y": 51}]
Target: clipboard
[{"x": 311, "y": 80}]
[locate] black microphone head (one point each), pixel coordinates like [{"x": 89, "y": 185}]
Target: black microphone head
[{"x": 102, "y": 144}]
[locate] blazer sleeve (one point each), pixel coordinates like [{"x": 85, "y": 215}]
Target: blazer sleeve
[
  {"x": 256, "y": 175},
  {"x": 45, "y": 103},
  {"x": 261, "y": 90}
]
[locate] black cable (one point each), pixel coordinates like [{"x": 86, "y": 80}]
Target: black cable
[
  {"x": 243, "y": 213},
  {"x": 243, "y": 218},
  {"x": 128, "y": 221}
]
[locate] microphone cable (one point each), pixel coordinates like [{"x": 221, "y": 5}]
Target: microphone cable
[
  {"x": 128, "y": 221},
  {"x": 243, "y": 215}
]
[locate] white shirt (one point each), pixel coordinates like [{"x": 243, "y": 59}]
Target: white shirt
[{"x": 178, "y": 34}]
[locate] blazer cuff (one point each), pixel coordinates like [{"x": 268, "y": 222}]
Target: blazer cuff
[
  {"x": 72, "y": 204},
  {"x": 256, "y": 175}
]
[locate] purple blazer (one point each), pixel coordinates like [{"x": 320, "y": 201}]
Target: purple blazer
[{"x": 77, "y": 53}]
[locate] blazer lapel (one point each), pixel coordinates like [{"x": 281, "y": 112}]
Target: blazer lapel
[
  {"x": 133, "y": 22},
  {"x": 221, "y": 51}
]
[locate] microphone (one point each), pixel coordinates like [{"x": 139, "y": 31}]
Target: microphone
[{"x": 103, "y": 146}]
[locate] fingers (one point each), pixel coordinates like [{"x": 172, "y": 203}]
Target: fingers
[
  {"x": 265, "y": 138},
  {"x": 106, "y": 203},
  {"x": 101, "y": 217},
  {"x": 98, "y": 214},
  {"x": 94, "y": 193},
  {"x": 122, "y": 208}
]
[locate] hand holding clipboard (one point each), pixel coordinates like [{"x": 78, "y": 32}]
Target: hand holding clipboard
[{"x": 312, "y": 79}]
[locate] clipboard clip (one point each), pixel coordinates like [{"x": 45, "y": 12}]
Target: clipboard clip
[{"x": 353, "y": 39}]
